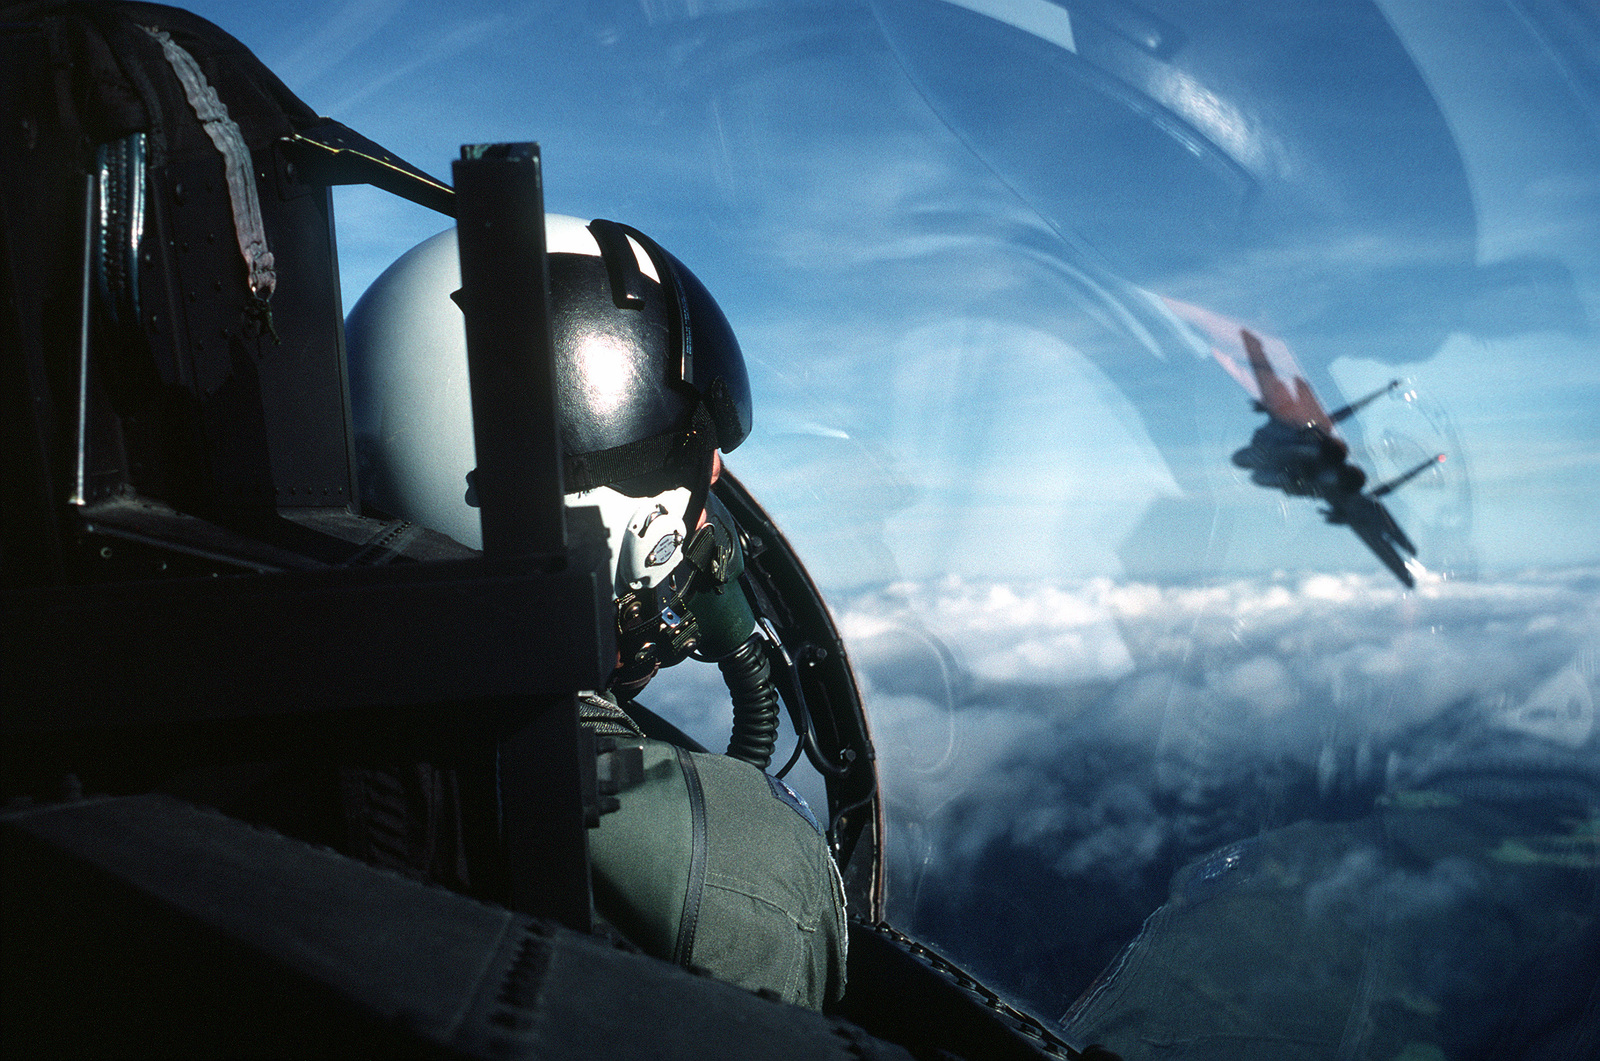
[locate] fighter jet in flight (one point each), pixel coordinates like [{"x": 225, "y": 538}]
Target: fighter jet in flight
[{"x": 1298, "y": 451}]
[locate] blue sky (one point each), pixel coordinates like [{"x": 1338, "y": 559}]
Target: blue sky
[{"x": 937, "y": 240}]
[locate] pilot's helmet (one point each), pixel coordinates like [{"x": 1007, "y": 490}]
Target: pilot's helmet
[{"x": 650, "y": 382}]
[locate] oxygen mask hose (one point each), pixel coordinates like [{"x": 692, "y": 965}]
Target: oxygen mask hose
[
  {"x": 701, "y": 610},
  {"x": 726, "y": 632},
  {"x": 755, "y": 703}
]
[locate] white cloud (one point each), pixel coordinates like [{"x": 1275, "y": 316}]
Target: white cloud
[{"x": 1106, "y": 725}]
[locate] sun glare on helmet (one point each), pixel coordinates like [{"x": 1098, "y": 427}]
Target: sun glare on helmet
[{"x": 607, "y": 372}]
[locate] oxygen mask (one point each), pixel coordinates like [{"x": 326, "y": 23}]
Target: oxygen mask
[{"x": 680, "y": 596}]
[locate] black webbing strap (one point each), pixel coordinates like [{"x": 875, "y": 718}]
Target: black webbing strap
[
  {"x": 608, "y": 467},
  {"x": 683, "y": 951}
]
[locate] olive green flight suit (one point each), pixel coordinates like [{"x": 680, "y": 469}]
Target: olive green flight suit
[{"x": 711, "y": 862}]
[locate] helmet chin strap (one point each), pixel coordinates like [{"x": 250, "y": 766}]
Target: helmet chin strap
[{"x": 704, "y": 479}]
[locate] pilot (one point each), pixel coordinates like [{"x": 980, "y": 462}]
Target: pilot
[{"x": 709, "y": 861}]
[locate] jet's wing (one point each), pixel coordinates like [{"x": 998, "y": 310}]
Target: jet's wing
[{"x": 1376, "y": 527}]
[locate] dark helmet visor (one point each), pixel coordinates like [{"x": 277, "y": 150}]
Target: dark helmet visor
[
  {"x": 712, "y": 361},
  {"x": 650, "y": 376}
]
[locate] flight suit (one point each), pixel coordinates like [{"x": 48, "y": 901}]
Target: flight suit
[{"x": 711, "y": 862}]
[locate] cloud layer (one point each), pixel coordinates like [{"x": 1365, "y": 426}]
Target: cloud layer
[{"x": 1052, "y": 754}]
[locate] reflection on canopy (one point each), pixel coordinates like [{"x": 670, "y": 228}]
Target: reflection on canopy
[
  {"x": 1093, "y": 649},
  {"x": 946, "y": 234}
]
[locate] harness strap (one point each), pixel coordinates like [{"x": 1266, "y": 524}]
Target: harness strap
[
  {"x": 225, "y": 134},
  {"x": 689, "y": 923}
]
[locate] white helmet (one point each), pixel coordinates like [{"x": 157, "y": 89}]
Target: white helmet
[{"x": 650, "y": 383}]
